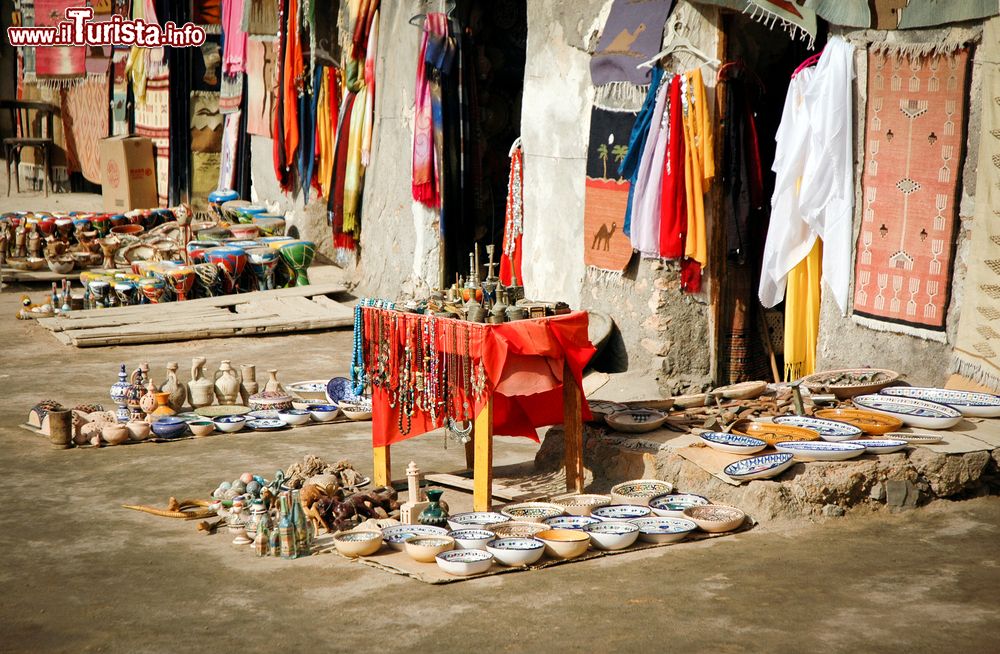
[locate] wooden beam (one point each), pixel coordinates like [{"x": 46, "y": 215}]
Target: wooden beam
[
  {"x": 383, "y": 466},
  {"x": 483, "y": 460},
  {"x": 470, "y": 453},
  {"x": 499, "y": 491},
  {"x": 572, "y": 431}
]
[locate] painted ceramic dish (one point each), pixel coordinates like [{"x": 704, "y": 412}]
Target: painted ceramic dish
[
  {"x": 475, "y": 519},
  {"x": 189, "y": 416},
  {"x": 230, "y": 424},
  {"x": 307, "y": 405},
  {"x": 612, "y": 535},
  {"x": 170, "y": 427},
  {"x": 733, "y": 443},
  {"x": 913, "y": 412},
  {"x": 672, "y": 505},
  {"x": 914, "y": 439},
  {"x": 270, "y": 401},
  {"x": 518, "y": 529},
  {"x": 664, "y": 530},
  {"x": 468, "y": 539},
  {"x": 759, "y": 467},
  {"x": 564, "y": 543},
  {"x": 772, "y": 433},
  {"x": 222, "y": 410},
  {"x": 264, "y": 415},
  {"x": 532, "y": 511},
  {"x": 639, "y": 491},
  {"x": 266, "y": 424},
  {"x": 601, "y": 409},
  {"x": 516, "y": 552},
  {"x": 570, "y": 521},
  {"x": 357, "y": 410},
  {"x": 715, "y": 518},
  {"x": 621, "y": 512},
  {"x": 868, "y": 421},
  {"x": 358, "y": 543},
  {"x": 978, "y": 405},
  {"x": 200, "y": 428},
  {"x": 829, "y": 430},
  {"x": 324, "y": 412},
  {"x": 310, "y": 390},
  {"x": 294, "y": 417},
  {"x": 396, "y": 535},
  {"x": 820, "y": 451},
  {"x": 850, "y": 382},
  {"x": 339, "y": 389},
  {"x": 466, "y": 562},
  {"x": 636, "y": 421},
  {"x": 880, "y": 445},
  {"x": 582, "y": 504},
  {"x": 425, "y": 548}
]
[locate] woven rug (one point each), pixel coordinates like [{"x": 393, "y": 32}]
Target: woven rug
[
  {"x": 152, "y": 120},
  {"x": 206, "y": 145},
  {"x": 261, "y": 86},
  {"x": 605, "y": 246},
  {"x": 913, "y": 155},
  {"x": 86, "y": 123},
  {"x": 64, "y": 63}
]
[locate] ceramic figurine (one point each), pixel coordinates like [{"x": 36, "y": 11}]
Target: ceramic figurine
[
  {"x": 34, "y": 243},
  {"x": 273, "y": 385},
  {"x": 109, "y": 246},
  {"x": 119, "y": 391},
  {"x": 21, "y": 241},
  {"x": 175, "y": 389},
  {"x": 436, "y": 514},
  {"x": 200, "y": 389},
  {"x": 227, "y": 384},
  {"x": 147, "y": 398},
  {"x": 248, "y": 385},
  {"x": 409, "y": 512}
]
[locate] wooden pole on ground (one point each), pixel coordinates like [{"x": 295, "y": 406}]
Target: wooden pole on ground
[
  {"x": 482, "y": 470},
  {"x": 572, "y": 431}
]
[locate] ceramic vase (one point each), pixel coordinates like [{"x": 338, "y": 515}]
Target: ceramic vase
[
  {"x": 436, "y": 513},
  {"x": 227, "y": 384},
  {"x": 163, "y": 407},
  {"x": 176, "y": 390},
  {"x": 200, "y": 389},
  {"x": 249, "y": 385},
  {"x": 273, "y": 385},
  {"x": 134, "y": 396},
  {"x": 118, "y": 393}
]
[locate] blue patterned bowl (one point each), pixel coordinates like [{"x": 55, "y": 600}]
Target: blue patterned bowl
[
  {"x": 612, "y": 535},
  {"x": 475, "y": 520},
  {"x": 230, "y": 424},
  {"x": 663, "y": 530},
  {"x": 621, "y": 512},
  {"x": 169, "y": 427},
  {"x": 532, "y": 511},
  {"x": 472, "y": 539},
  {"x": 463, "y": 563},
  {"x": 570, "y": 521},
  {"x": 395, "y": 536},
  {"x": 339, "y": 389},
  {"x": 639, "y": 491},
  {"x": 672, "y": 505},
  {"x": 829, "y": 430},
  {"x": 759, "y": 467},
  {"x": 516, "y": 552},
  {"x": 734, "y": 443},
  {"x": 912, "y": 411},
  {"x": 968, "y": 403},
  {"x": 294, "y": 417},
  {"x": 323, "y": 412}
]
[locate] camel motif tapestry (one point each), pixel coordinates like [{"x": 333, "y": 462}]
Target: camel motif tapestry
[
  {"x": 605, "y": 246},
  {"x": 631, "y": 35},
  {"x": 913, "y": 157}
]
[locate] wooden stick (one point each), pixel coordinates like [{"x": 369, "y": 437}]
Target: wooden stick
[
  {"x": 383, "y": 465},
  {"x": 572, "y": 431},
  {"x": 483, "y": 464}
]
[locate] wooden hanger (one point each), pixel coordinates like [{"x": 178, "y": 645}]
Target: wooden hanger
[
  {"x": 447, "y": 7},
  {"x": 676, "y": 42}
]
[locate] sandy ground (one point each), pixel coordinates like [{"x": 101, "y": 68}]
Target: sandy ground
[{"x": 79, "y": 573}]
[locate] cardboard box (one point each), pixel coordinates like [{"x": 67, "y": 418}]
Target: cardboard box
[{"x": 128, "y": 173}]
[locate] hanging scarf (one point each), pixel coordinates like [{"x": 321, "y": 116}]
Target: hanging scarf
[
  {"x": 423, "y": 181},
  {"x": 354, "y": 178},
  {"x": 742, "y": 182},
  {"x": 699, "y": 171},
  {"x": 802, "y": 304},
  {"x": 645, "y": 233},
  {"x": 281, "y": 171},
  {"x": 326, "y": 130},
  {"x": 307, "y": 153},
  {"x": 366, "y": 139},
  {"x": 673, "y": 198},
  {"x": 629, "y": 167},
  {"x": 234, "y": 46},
  {"x": 342, "y": 241},
  {"x": 513, "y": 228},
  {"x": 291, "y": 83}
]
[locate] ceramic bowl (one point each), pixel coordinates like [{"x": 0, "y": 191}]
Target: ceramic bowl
[
  {"x": 621, "y": 512},
  {"x": 715, "y": 518},
  {"x": 324, "y": 412},
  {"x": 664, "y": 530},
  {"x": 269, "y": 401},
  {"x": 61, "y": 265},
  {"x": 339, "y": 389},
  {"x": 636, "y": 421},
  {"x": 425, "y": 548},
  {"x": 201, "y": 428},
  {"x": 114, "y": 434},
  {"x": 357, "y": 411},
  {"x": 913, "y": 412},
  {"x": 869, "y": 422},
  {"x": 564, "y": 543},
  {"x": 968, "y": 403},
  {"x": 294, "y": 417},
  {"x": 772, "y": 433},
  {"x": 266, "y": 424},
  {"x": 582, "y": 504},
  {"x": 570, "y": 521},
  {"x": 306, "y": 405},
  {"x": 672, "y": 505},
  {"x": 464, "y": 562},
  {"x": 849, "y": 382},
  {"x": 820, "y": 450},
  {"x": 639, "y": 491},
  {"x": 230, "y": 424},
  {"x": 138, "y": 430},
  {"x": 309, "y": 390},
  {"x": 169, "y": 427},
  {"x": 532, "y": 511},
  {"x": 475, "y": 520},
  {"x": 829, "y": 430},
  {"x": 760, "y": 467},
  {"x": 396, "y": 536},
  {"x": 517, "y": 529},
  {"x": 472, "y": 539},
  {"x": 358, "y": 543},
  {"x": 733, "y": 443},
  {"x": 880, "y": 445},
  {"x": 516, "y": 552},
  {"x": 612, "y": 535}
]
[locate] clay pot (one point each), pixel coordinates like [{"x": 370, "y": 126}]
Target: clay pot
[
  {"x": 162, "y": 407},
  {"x": 176, "y": 390},
  {"x": 200, "y": 389},
  {"x": 115, "y": 434},
  {"x": 273, "y": 385},
  {"x": 138, "y": 430},
  {"x": 249, "y": 385},
  {"x": 60, "y": 428},
  {"x": 227, "y": 384}
]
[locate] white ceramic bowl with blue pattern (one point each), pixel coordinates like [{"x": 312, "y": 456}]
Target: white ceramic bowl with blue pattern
[
  {"x": 611, "y": 536},
  {"x": 913, "y": 412},
  {"x": 463, "y": 563},
  {"x": 570, "y": 521},
  {"x": 733, "y": 443},
  {"x": 968, "y": 403},
  {"x": 395, "y": 536},
  {"x": 663, "y": 530},
  {"x": 472, "y": 539},
  {"x": 820, "y": 450},
  {"x": 829, "y": 430},
  {"x": 230, "y": 424},
  {"x": 672, "y": 505},
  {"x": 621, "y": 512},
  {"x": 880, "y": 445},
  {"x": 760, "y": 467},
  {"x": 475, "y": 520},
  {"x": 516, "y": 552}
]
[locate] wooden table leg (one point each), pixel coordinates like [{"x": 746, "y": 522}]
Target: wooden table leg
[
  {"x": 572, "y": 432},
  {"x": 383, "y": 467},
  {"x": 482, "y": 470}
]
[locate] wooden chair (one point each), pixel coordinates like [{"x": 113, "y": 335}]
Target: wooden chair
[{"x": 29, "y": 132}]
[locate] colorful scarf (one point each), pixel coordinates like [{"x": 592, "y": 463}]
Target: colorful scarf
[
  {"x": 343, "y": 242},
  {"x": 307, "y": 153},
  {"x": 372, "y": 51},
  {"x": 513, "y": 229},
  {"x": 234, "y": 45},
  {"x": 629, "y": 167},
  {"x": 645, "y": 234},
  {"x": 425, "y": 173},
  {"x": 354, "y": 178},
  {"x": 673, "y": 198},
  {"x": 326, "y": 129},
  {"x": 86, "y": 123},
  {"x": 291, "y": 83},
  {"x": 699, "y": 170}
]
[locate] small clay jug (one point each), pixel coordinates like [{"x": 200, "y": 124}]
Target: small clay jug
[
  {"x": 227, "y": 384},
  {"x": 200, "y": 389},
  {"x": 176, "y": 390},
  {"x": 273, "y": 384},
  {"x": 436, "y": 513},
  {"x": 162, "y": 407},
  {"x": 249, "y": 385}
]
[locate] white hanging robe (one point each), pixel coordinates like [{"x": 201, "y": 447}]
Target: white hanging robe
[{"x": 645, "y": 232}]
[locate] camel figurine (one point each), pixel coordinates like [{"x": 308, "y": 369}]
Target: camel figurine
[
  {"x": 622, "y": 44},
  {"x": 603, "y": 235}
]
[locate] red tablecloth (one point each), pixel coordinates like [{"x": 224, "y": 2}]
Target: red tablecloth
[{"x": 523, "y": 360}]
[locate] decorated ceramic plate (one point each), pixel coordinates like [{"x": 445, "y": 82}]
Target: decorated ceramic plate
[
  {"x": 663, "y": 530},
  {"x": 475, "y": 519},
  {"x": 772, "y": 433},
  {"x": 868, "y": 421},
  {"x": 880, "y": 445},
  {"x": 979, "y": 405},
  {"x": 570, "y": 521},
  {"x": 636, "y": 421},
  {"x": 820, "y": 450},
  {"x": 621, "y": 512},
  {"x": 223, "y": 410},
  {"x": 914, "y": 439},
  {"x": 266, "y": 424},
  {"x": 829, "y": 430},
  {"x": 307, "y": 389},
  {"x": 848, "y": 382},
  {"x": 673, "y": 505},
  {"x": 760, "y": 467},
  {"x": 639, "y": 491},
  {"x": 913, "y": 412},
  {"x": 396, "y": 535},
  {"x": 189, "y": 416},
  {"x": 532, "y": 511},
  {"x": 264, "y": 415},
  {"x": 339, "y": 389},
  {"x": 734, "y": 443}
]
